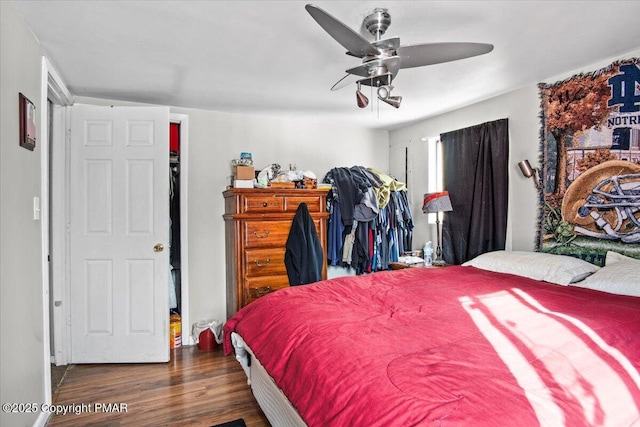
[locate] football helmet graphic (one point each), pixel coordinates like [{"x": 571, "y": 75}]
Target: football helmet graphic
[{"x": 604, "y": 202}]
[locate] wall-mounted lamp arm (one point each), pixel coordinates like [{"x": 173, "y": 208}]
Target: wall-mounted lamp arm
[{"x": 528, "y": 172}]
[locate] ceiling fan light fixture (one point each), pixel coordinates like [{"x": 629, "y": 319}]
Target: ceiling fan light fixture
[
  {"x": 384, "y": 92},
  {"x": 361, "y": 100},
  {"x": 394, "y": 101}
]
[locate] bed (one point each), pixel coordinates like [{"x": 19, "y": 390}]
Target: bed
[{"x": 473, "y": 345}]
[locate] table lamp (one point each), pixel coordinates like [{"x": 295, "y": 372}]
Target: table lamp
[{"x": 436, "y": 203}]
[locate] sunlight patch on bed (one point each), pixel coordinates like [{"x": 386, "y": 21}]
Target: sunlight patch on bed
[{"x": 555, "y": 358}]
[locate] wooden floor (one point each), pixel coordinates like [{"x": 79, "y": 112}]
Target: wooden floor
[{"x": 195, "y": 388}]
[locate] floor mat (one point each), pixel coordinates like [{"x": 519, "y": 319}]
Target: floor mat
[{"x": 234, "y": 423}]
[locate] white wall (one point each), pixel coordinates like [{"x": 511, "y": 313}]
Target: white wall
[
  {"x": 522, "y": 108},
  {"x": 21, "y": 308},
  {"x": 215, "y": 139}
]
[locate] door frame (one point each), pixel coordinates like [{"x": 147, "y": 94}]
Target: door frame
[
  {"x": 52, "y": 87},
  {"x": 59, "y": 228}
]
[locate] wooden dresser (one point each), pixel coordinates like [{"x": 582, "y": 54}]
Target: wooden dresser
[{"x": 257, "y": 224}]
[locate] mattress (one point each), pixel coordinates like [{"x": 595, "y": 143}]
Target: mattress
[{"x": 271, "y": 399}]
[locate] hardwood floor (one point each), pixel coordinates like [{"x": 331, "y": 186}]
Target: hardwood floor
[
  {"x": 57, "y": 375},
  {"x": 195, "y": 388}
]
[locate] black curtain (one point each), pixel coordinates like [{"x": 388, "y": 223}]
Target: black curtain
[{"x": 476, "y": 175}]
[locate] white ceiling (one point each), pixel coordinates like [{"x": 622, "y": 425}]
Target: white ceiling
[{"x": 271, "y": 58}]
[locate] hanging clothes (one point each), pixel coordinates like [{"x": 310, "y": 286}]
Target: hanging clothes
[
  {"x": 336, "y": 233},
  {"x": 303, "y": 257},
  {"x": 346, "y": 192},
  {"x": 370, "y": 221}
]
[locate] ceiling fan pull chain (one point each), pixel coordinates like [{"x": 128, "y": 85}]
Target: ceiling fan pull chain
[
  {"x": 371, "y": 96},
  {"x": 378, "y": 102}
]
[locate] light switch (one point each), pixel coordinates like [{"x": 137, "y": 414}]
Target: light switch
[{"x": 36, "y": 208}]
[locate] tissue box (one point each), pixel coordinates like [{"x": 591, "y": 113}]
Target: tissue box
[
  {"x": 243, "y": 183},
  {"x": 245, "y": 172}
]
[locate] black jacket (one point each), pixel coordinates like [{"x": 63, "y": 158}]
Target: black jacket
[{"x": 303, "y": 257}]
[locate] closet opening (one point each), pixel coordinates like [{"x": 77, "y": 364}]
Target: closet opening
[
  {"x": 178, "y": 268},
  {"x": 175, "y": 277}
]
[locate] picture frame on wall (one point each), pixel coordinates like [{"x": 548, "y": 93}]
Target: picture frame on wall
[{"x": 27, "y": 123}]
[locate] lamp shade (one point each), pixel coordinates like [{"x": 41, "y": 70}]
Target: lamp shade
[
  {"x": 436, "y": 202},
  {"x": 525, "y": 168},
  {"x": 361, "y": 100}
]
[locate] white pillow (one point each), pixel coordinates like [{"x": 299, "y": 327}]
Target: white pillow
[
  {"x": 558, "y": 269},
  {"x": 620, "y": 275},
  {"x": 615, "y": 257}
]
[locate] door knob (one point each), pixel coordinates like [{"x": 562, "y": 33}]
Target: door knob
[{"x": 159, "y": 247}]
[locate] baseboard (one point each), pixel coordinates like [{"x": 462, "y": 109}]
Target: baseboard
[{"x": 42, "y": 419}]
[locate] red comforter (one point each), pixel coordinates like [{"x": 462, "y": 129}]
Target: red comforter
[{"x": 453, "y": 346}]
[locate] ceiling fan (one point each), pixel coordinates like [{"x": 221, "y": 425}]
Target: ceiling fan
[{"x": 383, "y": 59}]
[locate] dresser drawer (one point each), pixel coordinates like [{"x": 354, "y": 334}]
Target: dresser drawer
[
  {"x": 262, "y": 233},
  {"x": 264, "y": 262},
  {"x": 262, "y": 204},
  {"x": 260, "y": 286},
  {"x": 291, "y": 203}
]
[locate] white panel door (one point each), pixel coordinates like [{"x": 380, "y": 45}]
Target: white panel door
[{"x": 119, "y": 234}]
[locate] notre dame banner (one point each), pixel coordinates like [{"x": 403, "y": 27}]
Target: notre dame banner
[{"x": 590, "y": 163}]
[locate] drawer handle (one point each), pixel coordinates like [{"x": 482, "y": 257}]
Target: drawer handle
[
  {"x": 262, "y": 290},
  {"x": 262, "y": 264},
  {"x": 265, "y": 204},
  {"x": 261, "y": 236}
]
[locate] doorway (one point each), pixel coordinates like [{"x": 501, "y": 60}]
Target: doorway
[
  {"x": 57, "y": 312},
  {"x": 179, "y": 248}
]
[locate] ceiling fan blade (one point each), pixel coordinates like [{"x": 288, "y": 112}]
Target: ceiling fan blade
[
  {"x": 345, "y": 81},
  {"x": 355, "y": 44},
  {"x": 418, "y": 55}
]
